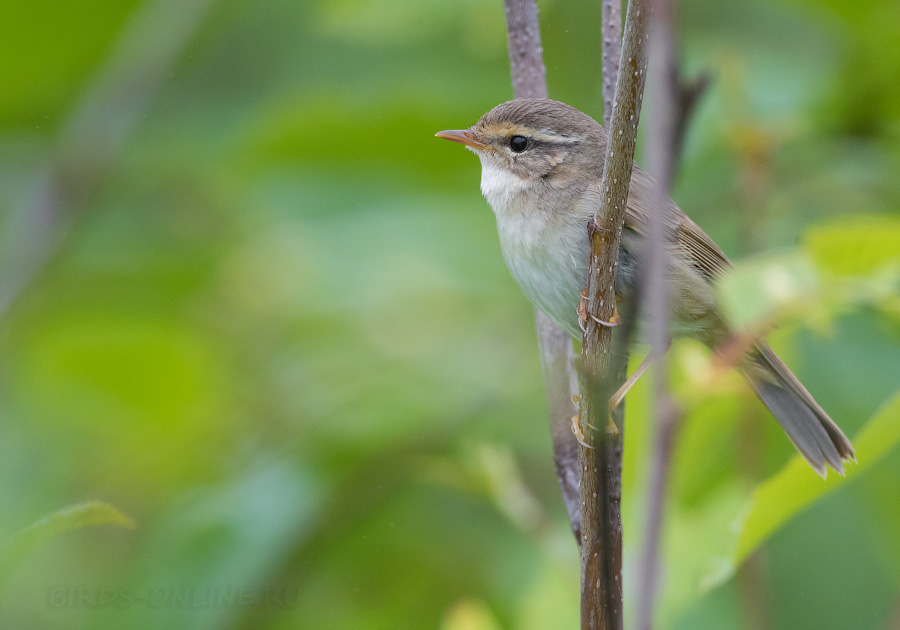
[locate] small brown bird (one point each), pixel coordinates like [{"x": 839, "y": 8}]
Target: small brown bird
[{"x": 541, "y": 163}]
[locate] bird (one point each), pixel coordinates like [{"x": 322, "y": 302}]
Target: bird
[{"x": 541, "y": 169}]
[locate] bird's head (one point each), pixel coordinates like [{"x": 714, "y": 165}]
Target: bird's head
[{"x": 533, "y": 143}]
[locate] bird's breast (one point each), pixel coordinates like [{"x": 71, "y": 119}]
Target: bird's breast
[{"x": 547, "y": 256}]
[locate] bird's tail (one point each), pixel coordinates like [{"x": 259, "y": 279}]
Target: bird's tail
[{"x": 815, "y": 435}]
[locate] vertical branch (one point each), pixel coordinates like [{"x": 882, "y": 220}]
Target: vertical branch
[
  {"x": 755, "y": 186},
  {"x": 611, "y": 47},
  {"x": 689, "y": 93},
  {"x": 601, "y": 594},
  {"x": 669, "y": 116},
  {"x": 660, "y": 144},
  {"x": 525, "y": 51},
  {"x": 560, "y": 383},
  {"x": 528, "y": 78}
]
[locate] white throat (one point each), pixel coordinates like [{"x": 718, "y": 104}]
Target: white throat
[{"x": 499, "y": 186}]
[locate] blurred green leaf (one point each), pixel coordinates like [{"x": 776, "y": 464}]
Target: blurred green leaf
[
  {"x": 698, "y": 537},
  {"x": 757, "y": 289},
  {"x": 855, "y": 245},
  {"x": 70, "y": 518},
  {"x": 86, "y": 514},
  {"x": 469, "y": 614},
  {"x": 796, "y": 487}
]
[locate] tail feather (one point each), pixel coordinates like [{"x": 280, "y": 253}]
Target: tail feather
[{"x": 816, "y": 436}]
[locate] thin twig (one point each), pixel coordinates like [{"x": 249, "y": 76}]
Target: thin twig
[
  {"x": 525, "y": 52},
  {"x": 94, "y": 135},
  {"x": 669, "y": 118},
  {"x": 661, "y": 152},
  {"x": 611, "y": 47},
  {"x": 601, "y": 594},
  {"x": 560, "y": 383},
  {"x": 660, "y": 158},
  {"x": 557, "y": 360},
  {"x": 689, "y": 94},
  {"x": 756, "y": 183},
  {"x": 664, "y": 431}
]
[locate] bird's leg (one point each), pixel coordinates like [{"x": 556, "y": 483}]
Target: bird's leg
[
  {"x": 617, "y": 398},
  {"x": 582, "y": 310}
]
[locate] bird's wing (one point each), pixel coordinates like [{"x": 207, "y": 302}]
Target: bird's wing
[
  {"x": 700, "y": 248},
  {"x": 697, "y": 246}
]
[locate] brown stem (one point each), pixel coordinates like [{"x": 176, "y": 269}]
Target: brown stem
[
  {"x": 752, "y": 581},
  {"x": 525, "y": 53},
  {"x": 560, "y": 382},
  {"x": 752, "y": 578},
  {"x": 689, "y": 93},
  {"x": 557, "y": 360},
  {"x": 664, "y": 432},
  {"x": 601, "y": 589},
  {"x": 611, "y": 47},
  {"x": 661, "y": 147}
]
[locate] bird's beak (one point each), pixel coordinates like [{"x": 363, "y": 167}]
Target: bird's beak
[{"x": 463, "y": 136}]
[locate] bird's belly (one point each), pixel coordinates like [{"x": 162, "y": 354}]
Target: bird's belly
[
  {"x": 551, "y": 277},
  {"x": 553, "y": 283}
]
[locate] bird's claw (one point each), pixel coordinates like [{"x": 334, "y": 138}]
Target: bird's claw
[
  {"x": 576, "y": 430},
  {"x": 583, "y": 314},
  {"x": 611, "y": 428},
  {"x": 614, "y": 321},
  {"x": 581, "y": 310}
]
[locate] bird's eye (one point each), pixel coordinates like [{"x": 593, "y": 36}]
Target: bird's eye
[{"x": 518, "y": 143}]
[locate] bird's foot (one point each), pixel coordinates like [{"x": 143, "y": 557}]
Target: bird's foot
[
  {"x": 579, "y": 434},
  {"x": 614, "y": 321},
  {"x": 611, "y": 428},
  {"x": 592, "y": 228},
  {"x": 583, "y": 314},
  {"x": 611, "y": 423},
  {"x": 582, "y": 310}
]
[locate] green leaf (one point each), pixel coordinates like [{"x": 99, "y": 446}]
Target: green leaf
[
  {"x": 72, "y": 517},
  {"x": 855, "y": 245},
  {"x": 469, "y": 614},
  {"x": 796, "y": 487},
  {"x": 756, "y": 289},
  {"x": 76, "y": 516},
  {"x": 69, "y": 518}
]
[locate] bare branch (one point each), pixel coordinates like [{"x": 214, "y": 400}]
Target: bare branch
[
  {"x": 525, "y": 52},
  {"x": 601, "y": 595},
  {"x": 557, "y": 357},
  {"x": 689, "y": 94},
  {"x": 611, "y": 46},
  {"x": 668, "y": 120},
  {"x": 560, "y": 383}
]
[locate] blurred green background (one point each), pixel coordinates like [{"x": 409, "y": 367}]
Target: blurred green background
[{"x": 252, "y": 306}]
